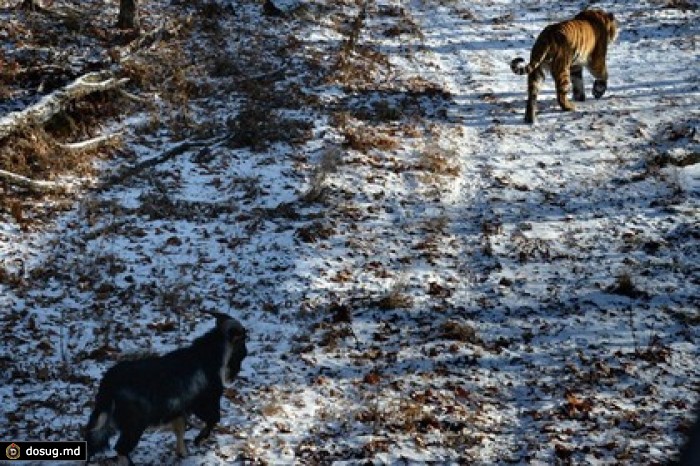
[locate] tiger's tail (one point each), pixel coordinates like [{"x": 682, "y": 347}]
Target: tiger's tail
[
  {"x": 518, "y": 66},
  {"x": 539, "y": 54}
]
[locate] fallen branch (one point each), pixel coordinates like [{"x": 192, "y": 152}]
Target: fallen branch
[
  {"x": 265, "y": 76},
  {"x": 174, "y": 151},
  {"x": 41, "y": 112},
  {"x": 91, "y": 144},
  {"x": 36, "y": 186}
]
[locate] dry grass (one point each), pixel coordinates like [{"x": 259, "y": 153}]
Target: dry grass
[
  {"x": 381, "y": 110},
  {"x": 459, "y": 331},
  {"x": 438, "y": 161},
  {"x": 404, "y": 24},
  {"x": 418, "y": 86},
  {"x": 529, "y": 249},
  {"x": 168, "y": 71},
  {"x": 360, "y": 70},
  {"x": 36, "y": 154},
  {"x": 357, "y": 65},
  {"x": 258, "y": 126},
  {"x": 625, "y": 286},
  {"x": 408, "y": 416},
  {"x": 680, "y": 5},
  {"x": 272, "y": 409},
  {"x": 334, "y": 334},
  {"x": 366, "y": 139},
  {"x": 315, "y": 232},
  {"x": 411, "y": 415},
  {"x": 395, "y": 298}
]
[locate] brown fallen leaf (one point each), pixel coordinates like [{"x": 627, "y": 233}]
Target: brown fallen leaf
[{"x": 371, "y": 378}]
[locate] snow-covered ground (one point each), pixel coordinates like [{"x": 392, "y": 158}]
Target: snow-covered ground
[{"x": 425, "y": 278}]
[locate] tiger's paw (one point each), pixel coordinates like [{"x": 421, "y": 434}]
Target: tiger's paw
[
  {"x": 599, "y": 88},
  {"x": 530, "y": 118},
  {"x": 530, "y": 114}
]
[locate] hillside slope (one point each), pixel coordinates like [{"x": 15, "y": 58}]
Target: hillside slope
[{"x": 426, "y": 279}]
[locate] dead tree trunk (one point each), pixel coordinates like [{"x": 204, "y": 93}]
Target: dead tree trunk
[
  {"x": 41, "y": 112},
  {"x": 128, "y": 14}
]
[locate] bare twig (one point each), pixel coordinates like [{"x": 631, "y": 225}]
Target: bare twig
[{"x": 132, "y": 97}]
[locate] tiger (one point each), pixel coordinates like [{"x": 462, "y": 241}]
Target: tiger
[{"x": 564, "y": 49}]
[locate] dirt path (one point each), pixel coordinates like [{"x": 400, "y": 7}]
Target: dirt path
[{"x": 558, "y": 205}]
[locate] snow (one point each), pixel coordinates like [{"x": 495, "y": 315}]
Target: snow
[{"x": 481, "y": 292}]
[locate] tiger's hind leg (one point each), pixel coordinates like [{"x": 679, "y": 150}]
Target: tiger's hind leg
[
  {"x": 534, "y": 81},
  {"x": 600, "y": 73},
  {"x": 576, "y": 73},
  {"x": 562, "y": 81}
]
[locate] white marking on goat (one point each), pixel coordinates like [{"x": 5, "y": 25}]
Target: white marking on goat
[
  {"x": 198, "y": 383},
  {"x": 174, "y": 404},
  {"x": 224, "y": 372},
  {"x": 195, "y": 387},
  {"x": 101, "y": 421},
  {"x": 228, "y": 351}
]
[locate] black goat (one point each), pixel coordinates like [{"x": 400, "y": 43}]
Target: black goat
[
  {"x": 157, "y": 390},
  {"x": 690, "y": 453}
]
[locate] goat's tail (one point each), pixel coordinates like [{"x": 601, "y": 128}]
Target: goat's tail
[{"x": 100, "y": 426}]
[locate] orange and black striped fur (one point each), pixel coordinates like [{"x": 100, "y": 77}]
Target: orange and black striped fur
[{"x": 564, "y": 49}]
